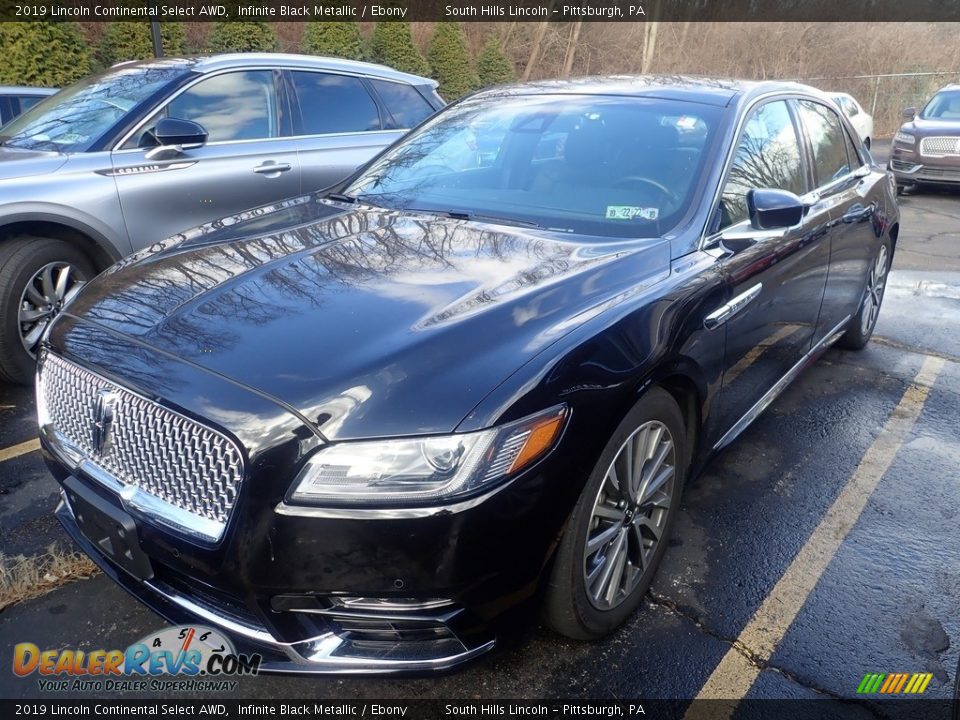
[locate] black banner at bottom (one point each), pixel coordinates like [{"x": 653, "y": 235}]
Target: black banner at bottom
[{"x": 825, "y": 709}]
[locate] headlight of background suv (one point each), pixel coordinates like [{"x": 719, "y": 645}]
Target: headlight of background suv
[
  {"x": 905, "y": 138},
  {"x": 425, "y": 469}
]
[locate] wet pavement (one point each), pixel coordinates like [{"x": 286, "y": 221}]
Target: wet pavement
[{"x": 887, "y": 601}]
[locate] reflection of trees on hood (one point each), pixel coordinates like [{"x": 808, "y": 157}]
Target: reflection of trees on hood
[{"x": 300, "y": 268}]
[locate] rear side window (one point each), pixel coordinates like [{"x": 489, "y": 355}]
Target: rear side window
[
  {"x": 334, "y": 104},
  {"x": 768, "y": 156},
  {"x": 232, "y": 106},
  {"x": 826, "y": 141},
  {"x": 407, "y": 106}
]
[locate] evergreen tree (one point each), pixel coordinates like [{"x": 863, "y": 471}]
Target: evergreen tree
[
  {"x": 132, "y": 41},
  {"x": 335, "y": 39},
  {"x": 493, "y": 65},
  {"x": 449, "y": 59},
  {"x": 52, "y": 54},
  {"x": 392, "y": 44},
  {"x": 234, "y": 36}
]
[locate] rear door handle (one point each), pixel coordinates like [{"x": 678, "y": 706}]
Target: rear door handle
[{"x": 271, "y": 167}]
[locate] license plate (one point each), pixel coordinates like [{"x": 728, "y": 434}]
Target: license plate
[{"x": 110, "y": 529}]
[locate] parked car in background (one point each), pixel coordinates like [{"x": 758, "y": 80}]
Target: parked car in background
[
  {"x": 17, "y": 100},
  {"x": 124, "y": 159},
  {"x": 926, "y": 149},
  {"x": 362, "y": 432},
  {"x": 862, "y": 121}
]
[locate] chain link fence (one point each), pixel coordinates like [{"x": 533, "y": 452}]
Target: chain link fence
[{"x": 885, "y": 96}]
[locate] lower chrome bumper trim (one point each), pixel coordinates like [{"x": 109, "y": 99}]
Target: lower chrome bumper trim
[{"x": 324, "y": 654}]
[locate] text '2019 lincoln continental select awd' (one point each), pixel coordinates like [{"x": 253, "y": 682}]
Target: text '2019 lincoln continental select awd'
[{"x": 370, "y": 431}]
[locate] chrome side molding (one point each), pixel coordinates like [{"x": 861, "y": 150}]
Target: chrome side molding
[{"x": 778, "y": 387}]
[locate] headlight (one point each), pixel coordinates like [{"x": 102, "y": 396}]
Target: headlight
[
  {"x": 427, "y": 468},
  {"x": 905, "y": 138}
]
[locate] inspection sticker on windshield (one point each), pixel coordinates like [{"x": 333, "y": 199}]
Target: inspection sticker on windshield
[{"x": 631, "y": 212}]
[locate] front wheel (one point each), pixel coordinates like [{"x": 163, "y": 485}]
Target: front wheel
[
  {"x": 620, "y": 526},
  {"x": 860, "y": 328},
  {"x": 38, "y": 276}
]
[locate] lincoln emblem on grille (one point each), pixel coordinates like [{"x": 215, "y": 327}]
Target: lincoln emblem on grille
[{"x": 103, "y": 416}]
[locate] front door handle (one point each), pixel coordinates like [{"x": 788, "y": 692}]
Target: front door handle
[
  {"x": 272, "y": 168},
  {"x": 723, "y": 313}
]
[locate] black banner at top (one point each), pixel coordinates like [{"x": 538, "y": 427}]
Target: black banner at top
[{"x": 483, "y": 10}]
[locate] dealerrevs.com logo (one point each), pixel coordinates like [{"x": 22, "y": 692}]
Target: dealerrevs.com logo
[{"x": 188, "y": 658}]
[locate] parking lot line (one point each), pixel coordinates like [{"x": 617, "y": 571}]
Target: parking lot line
[
  {"x": 738, "y": 669},
  {"x": 23, "y": 448}
]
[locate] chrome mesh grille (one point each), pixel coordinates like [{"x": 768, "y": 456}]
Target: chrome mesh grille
[
  {"x": 940, "y": 146},
  {"x": 160, "y": 452}
]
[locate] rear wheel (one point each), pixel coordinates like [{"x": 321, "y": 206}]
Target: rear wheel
[
  {"x": 861, "y": 325},
  {"x": 621, "y": 524},
  {"x": 38, "y": 276}
]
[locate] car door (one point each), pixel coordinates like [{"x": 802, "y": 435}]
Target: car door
[
  {"x": 248, "y": 159},
  {"x": 843, "y": 186},
  {"x": 338, "y": 126},
  {"x": 775, "y": 278}
]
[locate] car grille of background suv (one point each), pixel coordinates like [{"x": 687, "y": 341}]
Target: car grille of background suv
[
  {"x": 940, "y": 146},
  {"x": 190, "y": 468}
]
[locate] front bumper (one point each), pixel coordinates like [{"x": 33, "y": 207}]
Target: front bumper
[
  {"x": 914, "y": 170},
  {"x": 385, "y": 640}
]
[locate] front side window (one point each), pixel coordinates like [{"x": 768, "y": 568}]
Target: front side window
[
  {"x": 232, "y": 106},
  {"x": 593, "y": 165},
  {"x": 767, "y": 157},
  {"x": 75, "y": 118},
  {"x": 826, "y": 141},
  {"x": 334, "y": 104}
]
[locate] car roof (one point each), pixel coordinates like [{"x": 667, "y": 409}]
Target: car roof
[
  {"x": 23, "y": 90},
  {"x": 226, "y": 61},
  {"x": 709, "y": 91}
]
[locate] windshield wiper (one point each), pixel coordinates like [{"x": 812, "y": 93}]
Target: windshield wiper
[
  {"x": 483, "y": 217},
  {"x": 341, "y": 197}
]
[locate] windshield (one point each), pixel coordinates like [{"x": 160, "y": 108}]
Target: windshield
[
  {"x": 943, "y": 106},
  {"x": 75, "y": 118},
  {"x": 609, "y": 166}
]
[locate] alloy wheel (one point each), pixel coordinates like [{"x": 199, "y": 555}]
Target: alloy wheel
[
  {"x": 45, "y": 294},
  {"x": 875, "y": 286},
  {"x": 629, "y": 515}
]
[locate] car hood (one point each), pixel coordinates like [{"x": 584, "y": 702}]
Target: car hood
[
  {"x": 16, "y": 163},
  {"x": 369, "y": 323},
  {"x": 925, "y": 128}
]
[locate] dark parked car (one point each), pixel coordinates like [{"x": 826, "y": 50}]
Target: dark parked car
[
  {"x": 362, "y": 432},
  {"x": 926, "y": 149},
  {"x": 16, "y": 100},
  {"x": 125, "y": 159}
]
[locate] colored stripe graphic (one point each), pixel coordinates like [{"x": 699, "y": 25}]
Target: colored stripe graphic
[{"x": 894, "y": 683}]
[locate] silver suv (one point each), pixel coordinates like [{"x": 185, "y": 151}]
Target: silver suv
[{"x": 132, "y": 156}]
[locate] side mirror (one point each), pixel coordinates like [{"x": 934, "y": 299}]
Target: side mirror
[
  {"x": 774, "y": 209},
  {"x": 909, "y": 113},
  {"x": 183, "y": 133},
  {"x": 175, "y": 135}
]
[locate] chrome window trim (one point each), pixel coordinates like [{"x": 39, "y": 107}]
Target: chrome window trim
[
  {"x": 118, "y": 146},
  {"x": 708, "y": 239}
]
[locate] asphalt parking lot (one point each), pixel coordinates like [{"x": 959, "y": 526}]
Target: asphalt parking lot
[{"x": 821, "y": 546}]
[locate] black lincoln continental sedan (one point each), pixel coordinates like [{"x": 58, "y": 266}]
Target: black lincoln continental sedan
[{"x": 371, "y": 431}]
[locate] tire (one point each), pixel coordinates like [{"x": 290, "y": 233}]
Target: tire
[
  {"x": 860, "y": 328},
  {"x": 585, "y": 608},
  {"x": 22, "y": 263}
]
